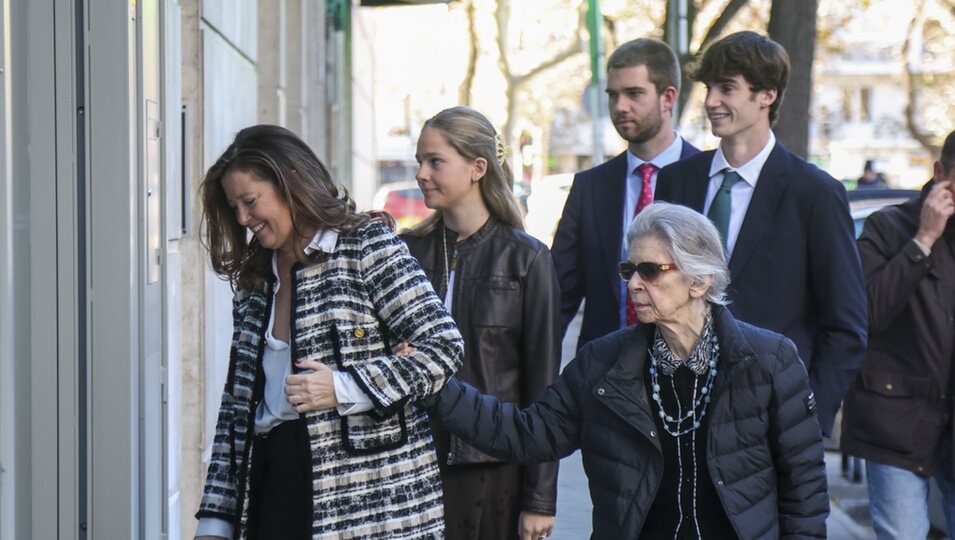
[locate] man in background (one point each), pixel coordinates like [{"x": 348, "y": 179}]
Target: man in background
[
  {"x": 785, "y": 224},
  {"x": 898, "y": 413},
  {"x": 643, "y": 82}
]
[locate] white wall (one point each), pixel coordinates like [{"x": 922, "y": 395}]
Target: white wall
[{"x": 229, "y": 104}]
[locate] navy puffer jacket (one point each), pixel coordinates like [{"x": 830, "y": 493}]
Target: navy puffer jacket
[{"x": 764, "y": 452}]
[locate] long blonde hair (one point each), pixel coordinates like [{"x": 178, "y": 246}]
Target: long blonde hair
[{"x": 473, "y": 136}]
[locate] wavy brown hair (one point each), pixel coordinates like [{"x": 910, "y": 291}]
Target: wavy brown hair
[
  {"x": 473, "y": 136},
  {"x": 273, "y": 154}
]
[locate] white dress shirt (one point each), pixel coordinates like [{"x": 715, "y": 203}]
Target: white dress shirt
[{"x": 742, "y": 192}]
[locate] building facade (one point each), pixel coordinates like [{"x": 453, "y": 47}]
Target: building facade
[{"x": 114, "y": 332}]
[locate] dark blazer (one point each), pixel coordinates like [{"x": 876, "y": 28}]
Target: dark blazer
[
  {"x": 764, "y": 450},
  {"x": 587, "y": 243},
  {"x": 899, "y": 407},
  {"x": 794, "y": 268}
]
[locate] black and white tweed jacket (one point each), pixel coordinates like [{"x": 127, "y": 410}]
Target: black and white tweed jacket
[{"x": 374, "y": 475}]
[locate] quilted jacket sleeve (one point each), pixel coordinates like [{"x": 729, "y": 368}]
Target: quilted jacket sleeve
[
  {"x": 796, "y": 443},
  {"x": 411, "y": 311},
  {"x": 547, "y": 430}
]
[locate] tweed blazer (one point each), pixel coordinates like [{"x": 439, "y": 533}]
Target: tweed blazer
[{"x": 374, "y": 475}]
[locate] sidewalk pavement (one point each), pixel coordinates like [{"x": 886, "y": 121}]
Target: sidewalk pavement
[
  {"x": 848, "y": 504},
  {"x": 848, "y": 514}
]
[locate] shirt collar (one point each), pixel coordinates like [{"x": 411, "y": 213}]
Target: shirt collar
[
  {"x": 706, "y": 348},
  {"x": 671, "y": 154},
  {"x": 750, "y": 170},
  {"x": 325, "y": 240}
]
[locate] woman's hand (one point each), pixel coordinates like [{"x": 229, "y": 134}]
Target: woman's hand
[
  {"x": 533, "y": 526},
  {"x": 311, "y": 391}
]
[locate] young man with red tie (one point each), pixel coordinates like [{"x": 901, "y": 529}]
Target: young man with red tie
[{"x": 643, "y": 81}]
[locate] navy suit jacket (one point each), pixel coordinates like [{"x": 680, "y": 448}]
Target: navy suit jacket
[
  {"x": 795, "y": 268},
  {"x": 587, "y": 244}
]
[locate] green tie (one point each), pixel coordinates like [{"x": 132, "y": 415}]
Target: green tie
[{"x": 722, "y": 205}]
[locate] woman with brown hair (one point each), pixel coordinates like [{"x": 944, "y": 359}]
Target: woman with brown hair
[
  {"x": 319, "y": 433},
  {"x": 500, "y": 286}
]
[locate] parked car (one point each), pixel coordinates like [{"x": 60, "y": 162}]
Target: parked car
[
  {"x": 404, "y": 201},
  {"x": 545, "y": 205},
  {"x": 865, "y": 202}
]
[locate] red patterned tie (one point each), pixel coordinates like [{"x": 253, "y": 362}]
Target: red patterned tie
[{"x": 646, "y": 171}]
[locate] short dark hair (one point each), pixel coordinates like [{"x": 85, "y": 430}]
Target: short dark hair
[
  {"x": 663, "y": 67},
  {"x": 947, "y": 157},
  {"x": 761, "y": 61}
]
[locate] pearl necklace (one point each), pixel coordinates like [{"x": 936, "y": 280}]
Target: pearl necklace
[{"x": 697, "y": 409}]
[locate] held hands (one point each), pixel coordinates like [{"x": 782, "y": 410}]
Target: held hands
[
  {"x": 937, "y": 208},
  {"x": 534, "y": 526},
  {"x": 403, "y": 349},
  {"x": 311, "y": 391}
]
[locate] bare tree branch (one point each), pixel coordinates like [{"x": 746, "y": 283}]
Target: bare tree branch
[
  {"x": 515, "y": 81},
  {"x": 572, "y": 49},
  {"x": 501, "y": 15},
  {"x": 909, "y": 81},
  {"x": 464, "y": 91},
  {"x": 714, "y": 31},
  {"x": 721, "y": 22}
]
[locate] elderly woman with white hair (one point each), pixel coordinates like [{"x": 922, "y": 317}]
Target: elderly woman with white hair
[{"x": 691, "y": 424}]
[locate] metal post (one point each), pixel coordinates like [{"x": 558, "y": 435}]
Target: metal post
[
  {"x": 597, "y": 77},
  {"x": 339, "y": 11},
  {"x": 677, "y": 34}
]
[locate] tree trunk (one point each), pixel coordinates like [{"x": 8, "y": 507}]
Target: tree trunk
[
  {"x": 792, "y": 24},
  {"x": 464, "y": 90},
  {"x": 911, "y": 85}
]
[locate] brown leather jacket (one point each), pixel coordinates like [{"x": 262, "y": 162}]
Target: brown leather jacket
[{"x": 506, "y": 303}]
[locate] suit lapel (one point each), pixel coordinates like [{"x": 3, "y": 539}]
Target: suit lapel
[
  {"x": 688, "y": 150},
  {"x": 762, "y": 207},
  {"x": 696, "y": 184},
  {"x": 608, "y": 200}
]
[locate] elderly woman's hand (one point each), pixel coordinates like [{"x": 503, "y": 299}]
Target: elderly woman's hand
[
  {"x": 311, "y": 391},
  {"x": 403, "y": 349},
  {"x": 534, "y": 526}
]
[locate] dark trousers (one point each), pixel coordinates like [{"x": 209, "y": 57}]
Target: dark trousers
[
  {"x": 481, "y": 502},
  {"x": 280, "y": 504}
]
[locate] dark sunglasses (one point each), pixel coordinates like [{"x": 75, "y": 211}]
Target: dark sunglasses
[{"x": 648, "y": 271}]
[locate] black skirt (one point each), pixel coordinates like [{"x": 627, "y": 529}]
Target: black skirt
[{"x": 280, "y": 502}]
